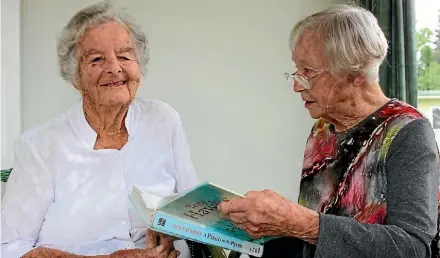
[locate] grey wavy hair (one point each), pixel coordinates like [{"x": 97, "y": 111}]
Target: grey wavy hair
[
  {"x": 353, "y": 40},
  {"x": 87, "y": 18}
]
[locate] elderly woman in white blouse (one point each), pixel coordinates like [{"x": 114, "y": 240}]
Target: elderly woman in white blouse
[{"x": 67, "y": 194}]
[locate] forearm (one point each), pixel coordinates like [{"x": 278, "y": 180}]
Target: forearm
[
  {"x": 25, "y": 201},
  {"x": 43, "y": 252},
  {"x": 344, "y": 237},
  {"x": 309, "y": 221},
  {"x": 48, "y": 253},
  {"x": 412, "y": 170}
]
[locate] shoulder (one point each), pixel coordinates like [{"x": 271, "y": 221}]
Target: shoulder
[
  {"x": 419, "y": 128},
  {"x": 46, "y": 133},
  {"x": 400, "y": 125},
  {"x": 157, "y": 114},
  {"x": 156, "y": 108},
  {"x": 399, "y": 112},
  {"x": 414, "y": 137},
  {"x": 401, "y": 118}
]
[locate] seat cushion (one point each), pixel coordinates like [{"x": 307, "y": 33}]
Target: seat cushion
[{"x": 4, "y": 178}]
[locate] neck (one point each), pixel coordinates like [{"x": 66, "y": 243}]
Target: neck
[
  {"x": 105, "y": 120},
  {"x": 363, "y": 102}
]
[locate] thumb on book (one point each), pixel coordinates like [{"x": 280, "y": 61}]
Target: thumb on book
[
  {"x": 159, "y": 249},
  {"x": 154, "y": 252},
  {"x": 151, "y": 238}
]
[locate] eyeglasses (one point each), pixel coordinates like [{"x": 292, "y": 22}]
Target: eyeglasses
[{"x": 303, "y": 80}]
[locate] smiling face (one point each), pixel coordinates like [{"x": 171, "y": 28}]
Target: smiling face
[
  {"x": 109, "y": 74},
  {"x": 327, "y": 91}
]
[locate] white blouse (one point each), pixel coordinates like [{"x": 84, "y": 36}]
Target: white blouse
[{"x": 65, "y": 195}]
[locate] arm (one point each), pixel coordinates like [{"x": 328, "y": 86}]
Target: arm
[
  {"x": 28, "y": 194},
  {"x": 131, "y": 253},
  {"x": 413, "y": 182},
  {"x": 184, "y": 170},
  {"x": 184, "y": 173}
]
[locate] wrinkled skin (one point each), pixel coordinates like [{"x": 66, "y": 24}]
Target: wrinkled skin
[
  {"x": 105, "y": 54},
  {"x": 159, "y": 246},
  {"x": 342, "y": 99},
  {"x": 266, "y": 213}
]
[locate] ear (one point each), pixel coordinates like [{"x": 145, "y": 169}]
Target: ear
[
  {"x": 356, "y": 79},
  {"x": 77, "y": 81}
]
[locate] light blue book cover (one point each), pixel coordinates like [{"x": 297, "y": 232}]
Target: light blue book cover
[{"x": 193, "y": 215}]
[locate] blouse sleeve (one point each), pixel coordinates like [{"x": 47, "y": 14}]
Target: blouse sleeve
[
  {"x": 184, "y": 169},
  {"x": 413, "y": 183},
  {"x": 28, "y": 194}
]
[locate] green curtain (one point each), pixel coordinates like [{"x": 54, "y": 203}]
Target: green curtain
[{"x": 398, "y": 73}]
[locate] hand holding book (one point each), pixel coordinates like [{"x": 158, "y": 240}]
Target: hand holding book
[
  {"x": 163, "y": 250},
  {"x": 267, "y": 213},
  {"x": 194, "y": 215},
  {"x": 162, "y": 244}
]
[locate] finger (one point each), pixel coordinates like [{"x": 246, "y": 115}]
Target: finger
[
  {"x": 238, "y": 217},
  {"x": 252, "y": 194},
  {"x": 151, "y": 239},
  {"x": 236, "y": 205},
  {"x": 252, "y": 231},
  {"x": 166, "y": 241},
  {"x": 165, "y": 252},
  {"x": 155, "y": 252},
  {"x": 224, "y": 216},
  {"x": 241, "y": 226},
  {"x": 173, "y": 254}
]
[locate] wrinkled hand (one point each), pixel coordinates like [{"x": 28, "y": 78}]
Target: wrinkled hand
[
  {"x": 158, "y": 246},
  {"x": 163, "y": 242},
  {"x": 266, "y": 213},
  {"x": 43, "y": 252},
  {"x": 157, "y": 252}
]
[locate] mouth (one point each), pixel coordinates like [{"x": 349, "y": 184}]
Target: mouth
[
  {"x": 114, "y": 84},
  {"x": 308, "y": 103}
]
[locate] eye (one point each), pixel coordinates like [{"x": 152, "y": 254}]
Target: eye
[
  {"x": 124, "y": 58},
  {"x": 97, "y": 59}
]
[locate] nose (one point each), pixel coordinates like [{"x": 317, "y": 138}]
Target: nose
[
  {"x": 297, "y": 87},
  {"x": 113, "y": 65}
]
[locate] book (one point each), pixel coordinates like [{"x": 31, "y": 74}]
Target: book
[{"x": 193, "y": 215}]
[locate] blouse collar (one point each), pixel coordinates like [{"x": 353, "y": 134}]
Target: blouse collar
[{"x": 85, "y": 133}]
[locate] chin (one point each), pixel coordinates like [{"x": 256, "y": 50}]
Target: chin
[
  {"x": 315, "y": 114},
  {"x": 115, "y": 101},
  {"x": 115, "y": 98}
]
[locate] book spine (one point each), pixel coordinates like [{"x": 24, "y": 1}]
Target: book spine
[{"x": 171, "y": 225}]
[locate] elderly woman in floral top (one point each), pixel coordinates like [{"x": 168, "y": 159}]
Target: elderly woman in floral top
[{"x": 370, "y": 177}]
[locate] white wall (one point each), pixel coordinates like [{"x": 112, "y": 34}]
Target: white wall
[
  {"x": 219, "y": 63},
  {"x": 2, "y": 104},
  {"x": 10, "y": 79}
]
